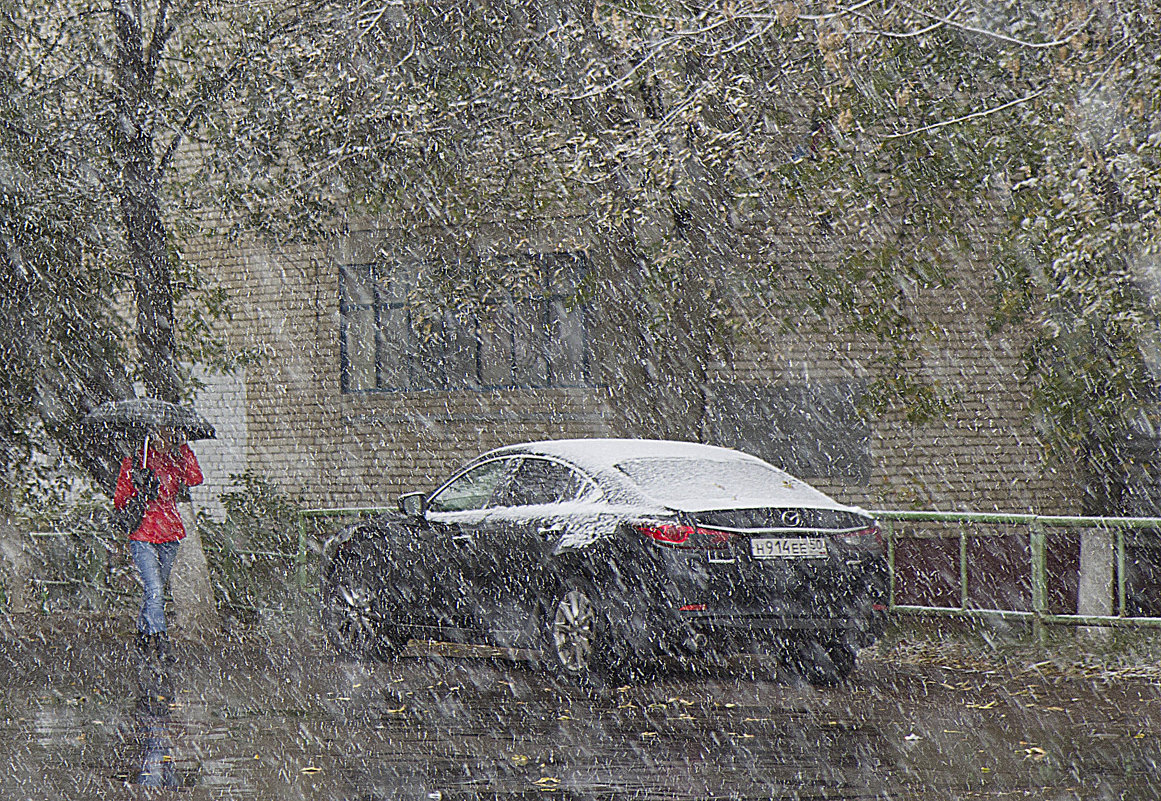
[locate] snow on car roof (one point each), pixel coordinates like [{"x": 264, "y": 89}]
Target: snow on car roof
[
  {"x": 653, "y": 467},
  {"x": 603, "y": 454}
]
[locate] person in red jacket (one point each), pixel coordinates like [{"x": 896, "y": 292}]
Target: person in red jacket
[{"x": 155, "y": 542}]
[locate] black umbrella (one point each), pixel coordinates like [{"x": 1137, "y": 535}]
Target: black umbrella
[
  {"x": 139, "y": 417},
  {"x": 114, "y": 429}
]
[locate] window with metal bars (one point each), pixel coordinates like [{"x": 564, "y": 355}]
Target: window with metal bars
[{"x": 529, "y": 333}]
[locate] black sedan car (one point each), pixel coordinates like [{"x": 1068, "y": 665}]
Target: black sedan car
[{"x": 605, "y": 554}]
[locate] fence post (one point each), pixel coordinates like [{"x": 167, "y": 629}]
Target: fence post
[
  {"x": 963, "y": 566},
  {"x": 1095, "y": 581},
  {"x": 889, "y": 530},
  {"x": 300, "y": 557},
  {"x": 1120, "y": 572},
  {"x": 1038, "y": 551}
]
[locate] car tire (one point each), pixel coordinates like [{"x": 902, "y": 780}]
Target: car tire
[
  {"x": 352, "y": 613},
  {"x": 577, "y": 643},
  {"x": 824, "y": 662}
]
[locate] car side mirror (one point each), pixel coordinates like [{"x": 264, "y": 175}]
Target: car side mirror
[{"x": 413, "y": 504}]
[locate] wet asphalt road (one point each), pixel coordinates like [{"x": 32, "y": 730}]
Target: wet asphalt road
[{"x": 281, "y": 718}]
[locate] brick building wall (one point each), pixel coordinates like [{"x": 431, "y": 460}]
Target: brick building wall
[
  {"x": 222, "y": 401},
  {"x": 338, "y": 449}
]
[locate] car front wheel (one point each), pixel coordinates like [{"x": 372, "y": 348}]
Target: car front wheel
[{"x": 352, "y": 613}]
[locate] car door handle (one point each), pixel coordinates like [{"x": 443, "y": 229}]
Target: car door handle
[
  {"x": 548, "y": 532},
  {"x": 463, "y": 538}
]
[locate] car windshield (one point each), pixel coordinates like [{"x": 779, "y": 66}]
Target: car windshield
[{"x": 676, "y": 480}]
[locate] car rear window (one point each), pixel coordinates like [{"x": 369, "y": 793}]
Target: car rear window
[{"x": 673, "y": 480}]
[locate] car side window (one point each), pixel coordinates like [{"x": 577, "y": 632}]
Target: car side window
[
  {"x": 539, "y": 481},
  {"x": 472, "y": 490}
]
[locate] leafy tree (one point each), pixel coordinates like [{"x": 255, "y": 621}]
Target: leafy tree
[
  {"x": 894, "y": 141},
  {"x": 100, "y": 100},
  {"x": 61, "y": 351},
  {"x": 450, "y": 119},
  {"x": 103, "y": 100},
  {"x": 1037, "y": 123},
  {"x": 689, "y": 141}
]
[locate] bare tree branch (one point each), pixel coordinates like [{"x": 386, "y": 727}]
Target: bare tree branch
[
  {"x": 966, "y": 117},
  {"x": 995, "y": 35}
]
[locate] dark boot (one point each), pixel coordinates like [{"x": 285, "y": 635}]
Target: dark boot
[{"x": 164, "y": 652}]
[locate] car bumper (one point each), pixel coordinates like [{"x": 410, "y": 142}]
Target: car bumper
[{"x": 667, "y": 630}]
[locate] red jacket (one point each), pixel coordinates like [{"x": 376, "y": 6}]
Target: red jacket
[{"x": 161, "y": 522}]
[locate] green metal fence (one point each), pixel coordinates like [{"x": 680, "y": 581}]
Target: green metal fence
[
  {"x": 309, "y": 543},
  {"x": 74, "y": 569},
  {"x": 83, "y": 568},
  {"x": 969, "y": 527}
]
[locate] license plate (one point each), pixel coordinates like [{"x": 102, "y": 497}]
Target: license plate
[{"x": 788, "y": 547}]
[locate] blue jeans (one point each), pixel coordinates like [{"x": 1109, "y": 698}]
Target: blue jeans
[{"x": 154, "y": 561}]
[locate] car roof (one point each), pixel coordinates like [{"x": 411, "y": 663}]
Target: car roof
[{"x": 600, "y": 455}]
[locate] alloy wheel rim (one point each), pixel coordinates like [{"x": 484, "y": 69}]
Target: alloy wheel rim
[
  {"x": 572, "y": 631},
  {"x": 356, "y": 620}
]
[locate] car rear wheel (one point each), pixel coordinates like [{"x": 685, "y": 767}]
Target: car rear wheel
[
  {"x": 576, "y": 638},
  {"x": 353, "y": 616}
]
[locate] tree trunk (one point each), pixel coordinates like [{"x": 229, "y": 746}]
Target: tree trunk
[
  {"x": 151, "y": 282},
  {"x": 15, "y": 565},
  {"x": 193, "y": 596},
  {"x": 139, "y": 194},
  {"x": 1104, "y": 491}
]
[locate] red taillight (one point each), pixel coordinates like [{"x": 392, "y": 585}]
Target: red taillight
[
  {"x": 666, "y": 533},
  {"x": 677, "y": 535},
  {"x": 692, "y": 608}
]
